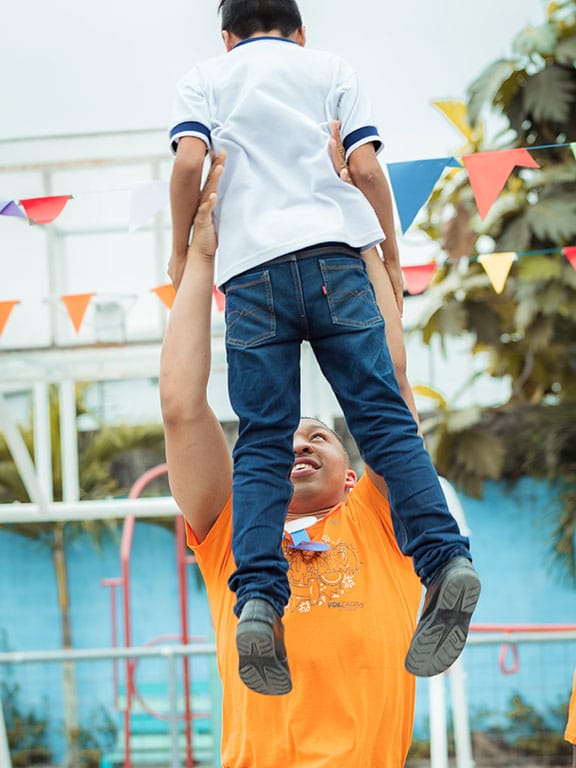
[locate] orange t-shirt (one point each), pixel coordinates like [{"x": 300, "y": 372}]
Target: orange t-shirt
[
  {"x": 570, "y": 732},
  {"x": 348, "y": 626}
]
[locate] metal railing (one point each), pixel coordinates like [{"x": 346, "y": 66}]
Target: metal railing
[{"x": 170, "y": 654}]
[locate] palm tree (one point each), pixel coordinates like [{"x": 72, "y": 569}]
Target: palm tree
[
  {"x": 96, "y": 457},
  {"x": 528, "y": 332}
]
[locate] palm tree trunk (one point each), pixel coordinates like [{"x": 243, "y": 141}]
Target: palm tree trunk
[{"x": 69, "y": 698}]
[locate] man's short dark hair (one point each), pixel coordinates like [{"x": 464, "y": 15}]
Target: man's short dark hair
[{"x": 244, "y": 18}]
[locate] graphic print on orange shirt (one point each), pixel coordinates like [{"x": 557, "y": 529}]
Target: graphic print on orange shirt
[{"x": 324, "y": 578}]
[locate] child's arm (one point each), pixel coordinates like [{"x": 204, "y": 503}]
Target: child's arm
[
  {"x": 184, "y": 196},
  {"x": 367, "y": 174}
]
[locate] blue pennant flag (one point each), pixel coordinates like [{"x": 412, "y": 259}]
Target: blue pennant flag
[{"x": 413, "y": 182}]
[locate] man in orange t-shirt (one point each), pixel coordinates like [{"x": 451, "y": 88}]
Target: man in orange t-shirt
[
  {"x": 570, "y": 732},
  {"x": 354, "y": 599}
]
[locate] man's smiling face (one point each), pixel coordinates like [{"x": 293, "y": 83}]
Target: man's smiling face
[{"x": 321, "y": 474}]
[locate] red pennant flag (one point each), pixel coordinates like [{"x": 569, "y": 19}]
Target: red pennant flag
[
  {"x": 166, "y": 293},
  {"x": 6, "y": 308},
  {"x": 219, "y": 298},
  {"x": 570, "y": 253},
  {"x": 76, "y": 305},
  {"x": 43, "y": 210},
  {"x": 489, "y": 171},
  {"x": 418, "y": 277}
]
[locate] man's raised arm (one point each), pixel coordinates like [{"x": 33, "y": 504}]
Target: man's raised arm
[{"x": 199, "y": 464}]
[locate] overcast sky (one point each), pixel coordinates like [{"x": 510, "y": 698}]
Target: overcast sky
[{"x": 70, "y": 66}]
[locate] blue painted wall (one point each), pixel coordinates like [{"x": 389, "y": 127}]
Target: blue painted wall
[{"x": 510, "y": 535}]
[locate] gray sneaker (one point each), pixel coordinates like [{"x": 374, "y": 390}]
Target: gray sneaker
[
  {"x": 441, "y": 633},
  {"x": 263, "y": 665}
]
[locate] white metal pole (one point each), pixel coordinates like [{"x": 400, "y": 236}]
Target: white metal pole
[
  {"x": 21, "y": 457},
  {"x": 173, "y": 699},
  {"x": 69, "y": 433},
  {"x": 438, "y": 737},
  {"x": 4, "y": 751},
  {"x": 43, "y": 439},
  {"x": 462, "y": 739}
]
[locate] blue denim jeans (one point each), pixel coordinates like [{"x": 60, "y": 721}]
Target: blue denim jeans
[{"x": 323, "y": 295}]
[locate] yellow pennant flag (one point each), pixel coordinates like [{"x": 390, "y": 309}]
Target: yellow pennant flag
[
  {"x": 573, "y": 148},
  {"x": 457, "y": 114},
  {"x": 497, "y": 267}
]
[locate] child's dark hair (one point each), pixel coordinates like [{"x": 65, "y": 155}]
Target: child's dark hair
[{"x": 244, "y": 18}]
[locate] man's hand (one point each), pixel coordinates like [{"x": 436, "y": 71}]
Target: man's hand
[
  {"x": 395, "y": 274},
  {"x": 204, "y": 240},
  {"x": 337, "y": 152},
  {"x": 203, "y": 233}
]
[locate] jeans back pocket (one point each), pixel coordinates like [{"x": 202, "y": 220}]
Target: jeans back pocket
[
  {"x": 250, "y": 316},
  {"x": 349, "y": 292}
]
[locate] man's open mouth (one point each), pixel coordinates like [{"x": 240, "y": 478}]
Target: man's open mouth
[{"x": 304, "y": 466}]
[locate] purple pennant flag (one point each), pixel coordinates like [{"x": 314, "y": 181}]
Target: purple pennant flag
[{"x": 9, "y": 208}]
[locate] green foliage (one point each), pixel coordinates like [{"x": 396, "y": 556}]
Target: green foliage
[
  {"x": 528, "y": 332},
  {"x": 97, "y": 452},
  {"x": 97, "y": 737},
  {"x": 26, "y": 729}
]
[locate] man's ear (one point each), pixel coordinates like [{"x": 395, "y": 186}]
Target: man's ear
[
  {"x": 351, "y": 479},
  {"x": 300, "y": 36}
]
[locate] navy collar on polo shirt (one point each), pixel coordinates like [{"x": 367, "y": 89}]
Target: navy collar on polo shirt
[{"x": 264, "y": 37}]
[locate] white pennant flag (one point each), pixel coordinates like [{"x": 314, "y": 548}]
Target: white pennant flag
[{"x": 146, "y": 200}]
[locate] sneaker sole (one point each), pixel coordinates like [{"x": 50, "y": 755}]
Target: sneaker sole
[
  {"x": 259, "y": 667},
  {"x": 441, "y": 636}
]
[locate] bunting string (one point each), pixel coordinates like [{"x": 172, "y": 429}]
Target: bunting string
[
  {"x": 412, "y": 182},
  {"x": 417, "y": 278}
]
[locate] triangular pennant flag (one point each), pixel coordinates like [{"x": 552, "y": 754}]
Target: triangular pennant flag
[
  {"x": 166, "y": 293},
  {"x": 497, "y": 267},
  {"x": 457, "y": 114},
  {"x": 76, "y": 305},
  {"x": 219, "y": 298},
  {"x": 9, "y": 208},
  {"x": 6, "y": 308},
  {"x": 146, "y": 200},
  {"x": 570, "y": 253},
  {"x": 413, "y": 182},
  {"x": 489, "y": 171},
  {"x": 418, "y": 277},
  {"x": 573, "y": 148},
  {"x": 43, "y": 210}
]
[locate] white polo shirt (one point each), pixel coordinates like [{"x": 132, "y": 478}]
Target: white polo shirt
[{"x": 268, "y": 103}]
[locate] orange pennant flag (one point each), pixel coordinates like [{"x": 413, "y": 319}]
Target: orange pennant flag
[
  {"x": 418, "y": 277},
  {"x": 219, "y": 298},
  {"x": 497, "y": 267},
  {"x": 570, "y": 253},
  {"x": 76, "y": 305},
  {"x": 6, "y": 308},
  {"x": 166, "y": 293},
  {"x": 489, "y": 171},
  {"x": 43, "y": 210}
]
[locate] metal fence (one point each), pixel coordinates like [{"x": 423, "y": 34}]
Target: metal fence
[
  {"x": 502, "y": 704},
  {"x": 128, "y": 706}
]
